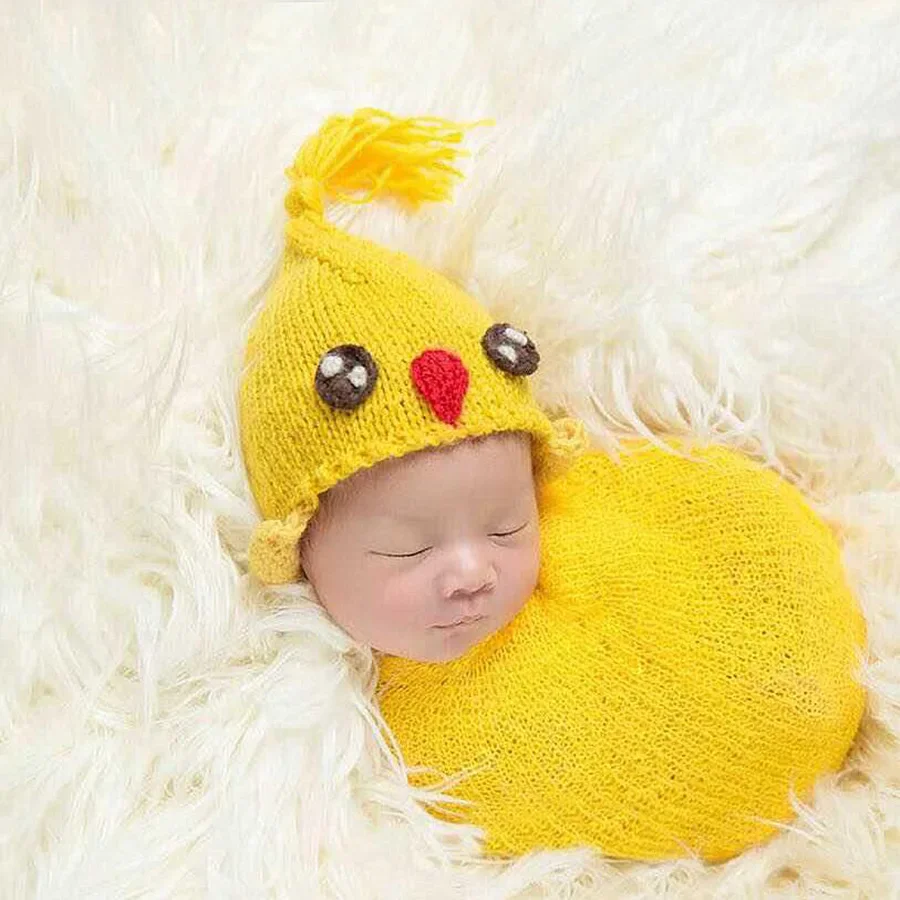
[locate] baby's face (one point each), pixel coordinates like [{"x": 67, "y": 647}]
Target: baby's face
[{"x": 401, "y": 553}]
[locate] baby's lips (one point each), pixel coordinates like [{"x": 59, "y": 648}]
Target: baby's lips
[{"x": 442, "y": 379}]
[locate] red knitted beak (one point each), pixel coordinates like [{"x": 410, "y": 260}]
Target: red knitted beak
[{"x": 442, "y": 379}]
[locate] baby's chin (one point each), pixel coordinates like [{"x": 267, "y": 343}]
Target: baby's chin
[{"x": 447, "y": 644}]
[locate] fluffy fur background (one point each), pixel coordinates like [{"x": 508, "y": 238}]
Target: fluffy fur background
[{"x": 693, "y": 206}]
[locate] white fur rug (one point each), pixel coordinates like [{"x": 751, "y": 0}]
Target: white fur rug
[{"x": 693, "y": 206}]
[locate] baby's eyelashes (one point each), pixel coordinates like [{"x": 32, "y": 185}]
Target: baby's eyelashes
[
  {"x": 401, "y": 555},
  {"x": 424, "y": 550},
  {"x": 510, "y": 533}
]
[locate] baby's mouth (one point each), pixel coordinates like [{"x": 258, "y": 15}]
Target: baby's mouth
[{"x": 467, "y": 620}]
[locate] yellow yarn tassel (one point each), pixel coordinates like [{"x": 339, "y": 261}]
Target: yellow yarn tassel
[{"x": 378, "y": 153}]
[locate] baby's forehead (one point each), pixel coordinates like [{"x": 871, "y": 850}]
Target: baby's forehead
[{"x": 391, "y": 484}]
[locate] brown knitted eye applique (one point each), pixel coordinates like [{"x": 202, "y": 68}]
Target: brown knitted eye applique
[
  {"x": 345, "y": 376},
  {"x": 510, "y": 350}
]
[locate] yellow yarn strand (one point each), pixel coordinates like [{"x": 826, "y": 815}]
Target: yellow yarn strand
[{"x": 375, "y": 152}]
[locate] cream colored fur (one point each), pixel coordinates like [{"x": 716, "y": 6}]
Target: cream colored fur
[{"x": 693, "y": 207}]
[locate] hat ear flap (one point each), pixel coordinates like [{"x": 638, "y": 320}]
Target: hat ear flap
[
  {"x": 568, "y": 441},
  {"x": 274, "y": 552}
]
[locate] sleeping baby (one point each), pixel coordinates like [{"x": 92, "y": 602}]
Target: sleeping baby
[
  {"x": 426, "y": 555},
  {"x": 652, "y": 654}
]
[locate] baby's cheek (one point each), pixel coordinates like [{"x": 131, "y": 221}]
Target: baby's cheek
[
  {"x": 526, "y": 563},
  {"x": 405, "y": 597},
  {"x": 522, "y": 572}
]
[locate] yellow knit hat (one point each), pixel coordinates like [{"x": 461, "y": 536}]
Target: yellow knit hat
[{"x": 360, "y": 353}]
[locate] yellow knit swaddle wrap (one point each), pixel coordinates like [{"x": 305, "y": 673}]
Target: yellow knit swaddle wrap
[{"x": 687, "y": 661}]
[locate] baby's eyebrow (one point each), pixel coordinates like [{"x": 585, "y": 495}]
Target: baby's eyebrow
[{"x": 415, "y": 518}]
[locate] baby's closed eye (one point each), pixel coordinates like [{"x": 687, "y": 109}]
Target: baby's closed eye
[
  {"x": 494, "y": 534},
  {"x": 510, "y": 533}
]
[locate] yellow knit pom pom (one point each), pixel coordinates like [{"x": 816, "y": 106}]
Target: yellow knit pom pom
[
  {"x": 568, "y": 442},
  {"x": 274, "y": 552},
  {"x": 378, "y": 153}
]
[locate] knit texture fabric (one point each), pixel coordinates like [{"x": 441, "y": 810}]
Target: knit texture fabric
[
  {"x": 334, "y": 288},
  {"x": 360, "y": 353},
  {"x": 686, "y": 663}
]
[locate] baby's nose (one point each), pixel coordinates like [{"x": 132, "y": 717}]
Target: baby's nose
[
  {"x": 442, "y": 379},
  {"x": 472, "y": 576},
  {"x": 472, "y": 588}
]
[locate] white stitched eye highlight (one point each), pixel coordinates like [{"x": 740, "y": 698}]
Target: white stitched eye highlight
[
  {"x": 358, "y": 377},
  {"x": 331, "y": 365},
  {"x": 515, "y": 336},
  {"x": 508, "y": 352}
]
